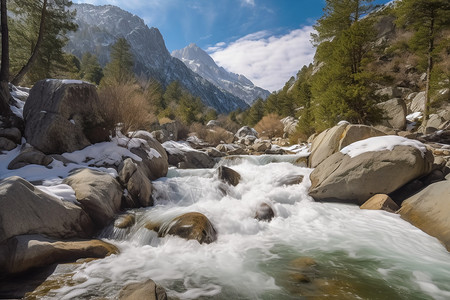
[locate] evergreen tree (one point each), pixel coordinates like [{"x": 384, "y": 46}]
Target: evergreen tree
[
  {"x": 90, "y": 68},
  {"x": 427, "y": 18},
  {"x": 120, "y": 68},
  {"x": 255, "y": 113},
  {"x": 38, "y": 34},
  {"x": 343, "y": 88},
  {"x": 5, "y": 96}
]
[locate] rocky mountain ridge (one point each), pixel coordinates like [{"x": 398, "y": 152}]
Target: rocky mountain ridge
[
  {"x": 100, "y": 26},
  {"x": 201, "y": 63}
]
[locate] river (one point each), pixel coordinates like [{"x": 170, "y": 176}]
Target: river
[{"x": 349, "y": 253}]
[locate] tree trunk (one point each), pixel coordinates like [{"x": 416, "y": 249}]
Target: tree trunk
[
  {"x": 5, "y": 96},
  {"x": 429, "y": 69},
  {"x": 35, "y": 52}
]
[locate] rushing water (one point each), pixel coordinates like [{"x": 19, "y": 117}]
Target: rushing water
[{"x": 359, "y": 254}]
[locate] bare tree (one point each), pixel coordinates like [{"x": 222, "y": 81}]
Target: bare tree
[{"x": 5, "y": 95}]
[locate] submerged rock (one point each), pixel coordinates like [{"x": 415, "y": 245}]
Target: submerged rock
[
  {"x": 381, "y": 202},
  {"x": 25, "y": 209},
  {"x": 125, "y": 221},
  {"x": 229, "y": 175},
  {"x": 24, "y": 252},
  {"x": 63, "y": 116},
  {"x": 191, "y": 226},
  {"x": 147, "y": 290},
  {"x": 99, "y": 194},
  {"x": 264, "y": 212},
  {"x": 429, "y": 210}
]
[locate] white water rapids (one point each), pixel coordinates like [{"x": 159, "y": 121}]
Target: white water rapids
[{"x": 360, "y": 254}]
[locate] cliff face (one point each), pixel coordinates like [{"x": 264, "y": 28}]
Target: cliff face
[{"x": 99, "y": 28}]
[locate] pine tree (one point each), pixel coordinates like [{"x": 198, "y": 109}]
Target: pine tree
[
  {"x": 120, "y": 68},
  {"x": 427, "y": 18},
  {"x": 256, "y": 112},
  {"x": 38, "y": 35},
  {"x": 342, "y": 87},
  {"x": 90, "y": 68}
]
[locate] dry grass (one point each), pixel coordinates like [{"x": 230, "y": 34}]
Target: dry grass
[
  {"x": 270, "y": 126},
  {"x": 126, "y": 105},
  {"x": 213, "y": 136}
]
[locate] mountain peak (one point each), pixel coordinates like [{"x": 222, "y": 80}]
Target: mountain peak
[
  {"x": 201, "y": 63},
  {"x": 99, "y": 27}
]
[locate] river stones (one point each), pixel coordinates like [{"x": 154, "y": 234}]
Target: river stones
[
  {"x": 28, "y": 156},
  {"x": 125, "y": 221},
  {"x": 24, "y": 252},
  {"x": 133, "y": 177},
  {"x": 381, "y": 202},
  {"x": 99, "y": 194},
  {"x": 147, "y": 290},
  {"x": 229, "y": 175},
  {"x": 191, "y": 226},
  {"x": 25, "y": 209},
  {"x": 429, "y": 210}
]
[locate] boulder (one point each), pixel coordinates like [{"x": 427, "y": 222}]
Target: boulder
[
  {"x": 244, "y": 131},
  {"x": 136, "y": 182},
  {"x": 264, "y": 212},
  {"x": 229, "y": 175},
  {"x": 334, "y": 139},
  {"x": 213, "y": 152},
  {"x": 418, "y": 103},
  {"x": 191, "y": 226},
  {"x": 381, "y": 202},
  {"x": 125, "y": 221},
  {"x": 290, "y": 124},
  {"x": 63, "y": 116},
  {"x": 25, "y": 209},
  {"x": 429, "y": 210},
  {"x": 433, "y": 124},
  {"x": 147, "y": 290},
  {"x": 355, "y": 179},
  {"x": 260, "y": 146},
  {"x": 389, "y": 92},
  {"x": 395, "y": 113},
  {"x": 6, "y": 144},
  {"x": 171, "y": 130},
  {"x": 24, "y": 252},
  {"x": 29, "y": 156},
  {"x": 99, "y": 194},
  {"x": 12, "y": 134},
  {"x": 185, "y": 157}
]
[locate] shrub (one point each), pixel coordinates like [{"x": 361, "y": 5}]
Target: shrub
[
  {"x": 270, "y": 126},
  {"x": 125, "y": 104}
]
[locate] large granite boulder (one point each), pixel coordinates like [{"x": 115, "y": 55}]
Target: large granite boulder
[
  {"x": 147, "y": 290},
  {"x": 395, "y": 113},
  {"x": 25, "y": 252},
  {"x": 99, "y": 194},
  {"x": 25, "y": 209},
  {"x": 334, "y": 139},
  {"x": 63, "y": 116},
  {"x": 245, "y": 131},
  {"x": 429, "y": 210},
  {"x": 355, "y": 178},
  {"x": 418, "y": 103},
  {"x": 190, "y": 226}
]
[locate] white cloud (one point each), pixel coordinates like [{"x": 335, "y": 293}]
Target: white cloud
[
  {"x": 268, "y": 60},
  {"x": 249, "y": 2}
]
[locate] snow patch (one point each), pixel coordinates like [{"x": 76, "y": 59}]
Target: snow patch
[
  {"x": 60, "y": 191},
  {"x": 381, "y": 143},
  {"x": 177, "y": 148}
]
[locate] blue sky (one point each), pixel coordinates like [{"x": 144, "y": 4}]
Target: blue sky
[{"x": 265, "y": 40}]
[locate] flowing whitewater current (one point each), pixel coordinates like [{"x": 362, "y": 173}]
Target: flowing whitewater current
[{"x": 309, "y": 250}]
